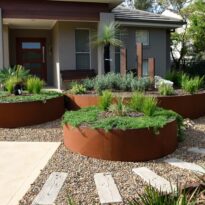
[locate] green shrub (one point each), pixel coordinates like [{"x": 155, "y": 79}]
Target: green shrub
[
  {"x": 10, "y": 83},
  {"x": 125, "y": 84},
  {"x": 34, "y": 85},
  {"x": 137, "y": 101},
  {"x": 149, "y": 105},
  {"x": 175, "y": 77},
  {"x": 140, "y": 84},
  {"x": 106, "y": 100},
  {"x": 165, "y": 89},
  {"x": 89, "y": 84},
  {"x": 192, "y": 85},
  {"x": 116, "y": 82},
  {"x": 78, "y": 89},
  {"x": 100, "y": 84}
]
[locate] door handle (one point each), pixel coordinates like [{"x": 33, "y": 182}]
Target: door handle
[{"x": 43, "y": 53}]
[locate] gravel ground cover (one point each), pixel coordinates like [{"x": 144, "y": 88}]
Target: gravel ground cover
[{"x": 80, "y": 183}]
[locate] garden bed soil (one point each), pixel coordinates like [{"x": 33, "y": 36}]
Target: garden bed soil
[
  {"x": 122, "y": 145},
  {"x": 20, "y": 114},
  {"x": 189, "y": 106}
]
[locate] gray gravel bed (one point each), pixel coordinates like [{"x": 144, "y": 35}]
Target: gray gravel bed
[
  {"x": 51, "y": 132},
  {"x": 80, "y": 183}
]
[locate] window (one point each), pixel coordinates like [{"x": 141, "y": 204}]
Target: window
[
  {"x": 142, "y": 36},
  {"x": 82, "y": 47},
  {"x": 31, "y": 45},
  {"x": 145, "y": 69}
]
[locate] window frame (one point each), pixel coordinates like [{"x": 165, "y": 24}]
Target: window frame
[
  {"x": 89, "y": 45},
  {"x": 148, "y": 37}
]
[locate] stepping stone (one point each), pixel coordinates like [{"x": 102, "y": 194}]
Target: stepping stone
[
  {"x": 186, "y": 165},
  {"x": 107, "y": 189},
  {"x": 51, "y": 189},
  {"x": 159, "y": 183},
  {"x": 197, "y": 150}
]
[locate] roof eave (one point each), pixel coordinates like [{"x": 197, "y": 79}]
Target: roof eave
[{"x": 155, "y": 24}]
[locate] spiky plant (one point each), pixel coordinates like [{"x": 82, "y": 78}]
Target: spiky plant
[{"x": 107, "y": 39}]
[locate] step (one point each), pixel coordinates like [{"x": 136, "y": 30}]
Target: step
[
  {"x": 197, "y": 150},
  {"x": 156, "y": 181},
  {"x": 186, "y": 165},
  {"x": 51, "y": 189},
  {"x": 107, "y": 189}
]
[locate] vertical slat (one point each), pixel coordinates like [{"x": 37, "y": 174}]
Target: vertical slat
[
  {"x": 151, "y": 66},
  {"x": 139, "y": 59},
  {"x": 123, "y": 61}
]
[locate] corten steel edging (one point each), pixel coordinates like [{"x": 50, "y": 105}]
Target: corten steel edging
[
  {"x": 75, "y": 102},
  {"x": 14, "y": 115},
  {"x": 118, "y": 145},
  {"x": 189, "y": 106}
]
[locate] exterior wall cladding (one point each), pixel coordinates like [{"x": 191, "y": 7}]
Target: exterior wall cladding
[{"x": 158, "y": 48}]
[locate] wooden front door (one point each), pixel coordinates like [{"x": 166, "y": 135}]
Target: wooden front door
[{"x": 31, "y": 53}]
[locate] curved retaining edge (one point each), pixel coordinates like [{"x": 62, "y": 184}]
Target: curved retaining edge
[
  {"x": 189, "y": 106},
  {"x": 119, "y": 145},
  {"x": 14, "y": 115}
]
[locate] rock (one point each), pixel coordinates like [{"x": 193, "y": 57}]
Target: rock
[{"x": 160, "y": 81}]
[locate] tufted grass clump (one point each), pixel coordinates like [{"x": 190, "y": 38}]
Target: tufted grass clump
[
  {"x": 192, "y": 85},
  {"x": 165, "y": 90},
  {"x": 34, "y": 85},
  {"x": 10, "y": 83},
  {"x": 106, "y": 100},
  {"x": 145, "y": 104}
]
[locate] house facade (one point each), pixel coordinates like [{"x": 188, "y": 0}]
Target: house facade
[{"x": 55, "y": 37}]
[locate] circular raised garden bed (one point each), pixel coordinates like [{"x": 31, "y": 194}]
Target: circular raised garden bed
[
  {"x": 189, "y": 106},
  {"x": 122, "y": 145},
  {"x": 19, "y": 114}
]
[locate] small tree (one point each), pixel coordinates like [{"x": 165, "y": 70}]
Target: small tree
[
  {"x": 197, "y": 28},
  {"x": 107, "y": 39}
]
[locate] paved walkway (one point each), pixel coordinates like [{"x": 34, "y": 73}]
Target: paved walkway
[{"x": 20, "y": 165}]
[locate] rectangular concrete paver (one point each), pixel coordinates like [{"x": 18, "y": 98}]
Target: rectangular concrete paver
[
  {"x": 186, "y": 165},
  {"x": 21, "y": 163},
  {"x": 51, "y": 189},
  {"x": 107, "y": 189},
  {"x": 197, "y": 150},
  {"x": 156, "y": 181}
]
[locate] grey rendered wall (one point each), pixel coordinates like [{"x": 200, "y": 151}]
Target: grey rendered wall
[
  {"x": 67, "y": 44},
  {"x": 32, "y": 33},
  {"x": 158, "y": 48}
]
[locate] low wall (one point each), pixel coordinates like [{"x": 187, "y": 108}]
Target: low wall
[
  {"x": 119, "y": 145},
  {"x": 13, "y": 115},
  {"x": 189, "y": 106}
]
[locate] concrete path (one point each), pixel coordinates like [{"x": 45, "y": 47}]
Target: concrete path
[{"x": 20, "y": 165}]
